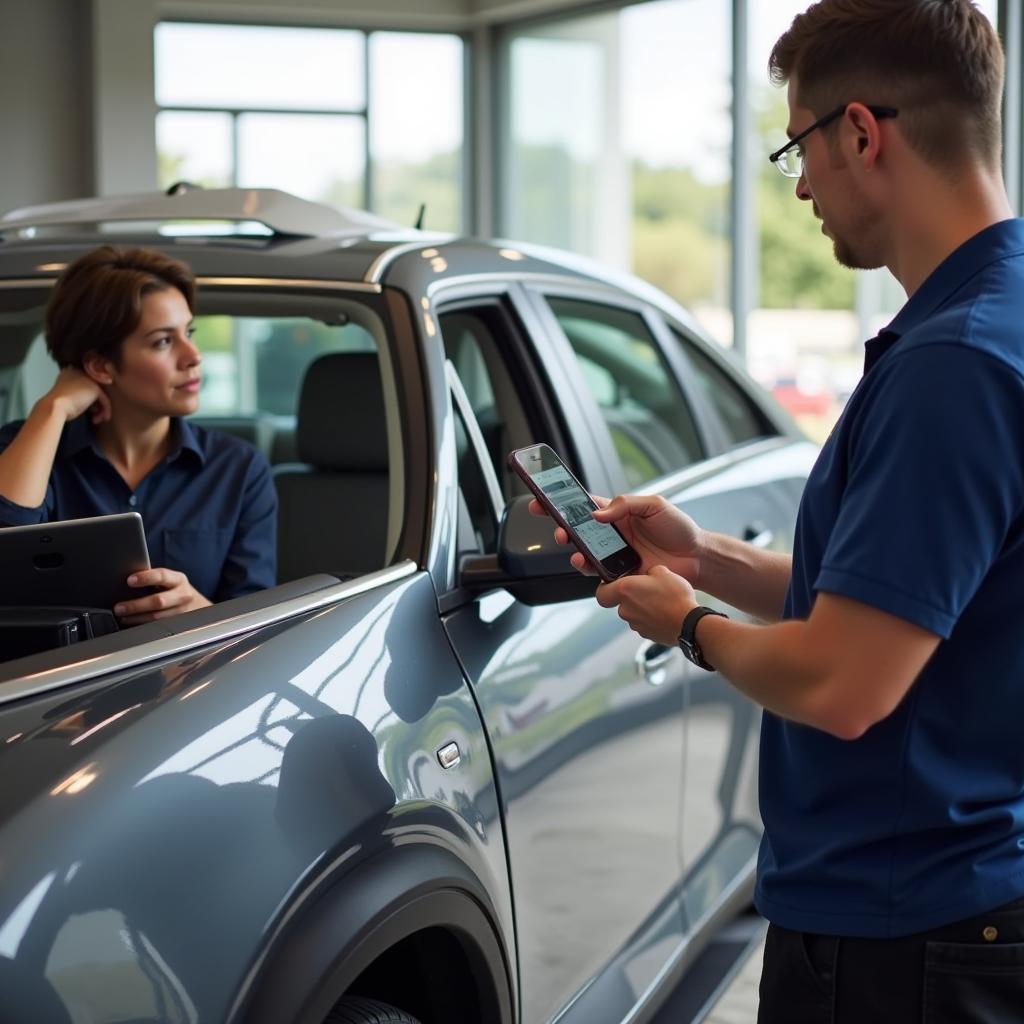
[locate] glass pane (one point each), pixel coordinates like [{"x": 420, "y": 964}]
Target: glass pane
[
  {"x": 626, "y": 166},
  {"x": 740, "y": 417},
  {"x": 193, "y": 147},
  {"x": 259, "y": 66},
  {"x": 317, "y": 156},
  {"x": 416, "y": 129},
  {"x": 649, "y": 421},
  {"x": 677, "y": 125},
  {"x": 256, "y": 364}
]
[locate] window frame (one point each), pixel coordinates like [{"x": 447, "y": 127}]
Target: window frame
[
  {"x": 708, "y": 431},
  {"x": 467, "y": 185},
  {"x": 678, "y": 339}
]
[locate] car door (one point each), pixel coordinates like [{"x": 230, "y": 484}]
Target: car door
[
  {"x": 683, "y": 427},
  {"x": 584, "y": 717}
]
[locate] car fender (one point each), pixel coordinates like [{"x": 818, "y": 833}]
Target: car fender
[{"x": 316, "y": 956}]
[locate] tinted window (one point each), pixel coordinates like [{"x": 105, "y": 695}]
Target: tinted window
[
  {"x": 741, "y": 418},
  {"x": 480, "y": 355},
  {"x": 257, "y": 363},
  {"x": 650, "y": 423}
]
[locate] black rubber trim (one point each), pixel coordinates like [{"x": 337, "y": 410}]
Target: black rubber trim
[{"x": 364, "y": 914}]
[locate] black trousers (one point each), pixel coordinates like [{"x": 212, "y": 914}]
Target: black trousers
[{"x": 968, "y": 972}]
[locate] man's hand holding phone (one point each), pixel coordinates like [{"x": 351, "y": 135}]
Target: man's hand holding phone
[
  {"x": 564, "y": 498},
  {"x": 655, "y": 599},
  {"x": 657, "y": 530}
]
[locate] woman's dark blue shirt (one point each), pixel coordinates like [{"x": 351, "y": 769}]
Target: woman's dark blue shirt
[{"x": 209, "y": 508}]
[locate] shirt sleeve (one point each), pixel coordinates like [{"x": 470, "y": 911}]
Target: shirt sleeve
[
  {"x": 11, "y": 513},
  {"x": 251, "y": 563},
  {"x": 934, "y": 487}
]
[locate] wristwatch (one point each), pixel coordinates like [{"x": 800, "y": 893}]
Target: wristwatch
[{"x": 687, "y": 638}]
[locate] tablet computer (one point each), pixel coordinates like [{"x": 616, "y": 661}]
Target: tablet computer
[{"x": 83, "y": 563}]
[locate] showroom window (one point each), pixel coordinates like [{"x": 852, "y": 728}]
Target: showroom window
[
  {"x": 332, "y": 115},
  {"x": 632, "y": 165}
]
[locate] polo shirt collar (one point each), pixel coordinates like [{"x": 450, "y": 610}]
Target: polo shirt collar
[
  {"x": 80, "y": 435},
  {"x": 996, "y": 242}
]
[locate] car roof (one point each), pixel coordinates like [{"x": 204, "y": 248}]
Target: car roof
[{"x": 295, "y": 240}]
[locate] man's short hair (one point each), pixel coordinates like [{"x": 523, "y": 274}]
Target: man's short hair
[
  {"x": 939, "y": 62},
  {"x": 97, "y": 301}
]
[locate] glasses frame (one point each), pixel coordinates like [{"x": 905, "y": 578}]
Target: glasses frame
[{"x": 878, "y": 112}]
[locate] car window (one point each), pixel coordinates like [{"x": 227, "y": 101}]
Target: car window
[
  {"x": 742, "y": 420},
  {"x": 651, "y": 425},
  {"x": 477, "y": 529},
  {"x": 256, "y": 364},
  {"x": 471, "y": 342},
  {"x": 252, "y": 373}
]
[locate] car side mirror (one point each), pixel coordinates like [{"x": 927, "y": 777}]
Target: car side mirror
[{"x": 529, "y": 564}]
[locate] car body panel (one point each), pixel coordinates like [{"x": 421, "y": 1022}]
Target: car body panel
[{"x": 225, "y": 785}]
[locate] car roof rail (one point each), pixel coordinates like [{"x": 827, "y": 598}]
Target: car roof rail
[{"x": 279, "y": 212}]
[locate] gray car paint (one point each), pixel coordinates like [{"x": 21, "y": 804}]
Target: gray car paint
[{"x": 223, "y": 786}]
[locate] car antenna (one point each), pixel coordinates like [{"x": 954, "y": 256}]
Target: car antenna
[
  {"x": 181, "y": 187},
  {"x": 419, "y": 217}
]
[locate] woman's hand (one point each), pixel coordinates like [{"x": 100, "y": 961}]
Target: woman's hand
[
  {"x": 74, "y": 392},
  {"x": 176, "y": 596},
  {"x": 654, "y": 527}
]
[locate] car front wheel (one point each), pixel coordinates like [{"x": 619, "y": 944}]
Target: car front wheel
[{"x": 355, "y": 1010}]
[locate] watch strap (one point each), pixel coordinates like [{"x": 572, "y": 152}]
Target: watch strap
[{"x": 688, "y": 636}]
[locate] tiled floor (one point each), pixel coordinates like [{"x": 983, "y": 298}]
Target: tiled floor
[{"x": 738, "y": 1004}]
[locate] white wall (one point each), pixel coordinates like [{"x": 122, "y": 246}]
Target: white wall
[
  {"x": 45, "y": 101},
  {"x": 124, "y": 110}
]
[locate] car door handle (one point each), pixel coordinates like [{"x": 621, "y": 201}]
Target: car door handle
[
  {"x": 652, "y": 662},
  {"x": 758, "y": 535}
]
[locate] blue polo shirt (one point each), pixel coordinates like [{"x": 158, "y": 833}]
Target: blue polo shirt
[
  {"x": 209, "y": 508},
  {"x": 916, "y": 507}
]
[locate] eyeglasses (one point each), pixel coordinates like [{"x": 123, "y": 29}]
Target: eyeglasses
[{"x": 790, "y": 158}]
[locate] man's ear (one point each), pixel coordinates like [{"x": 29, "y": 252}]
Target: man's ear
[
  {"x": 98, "y": 368},
  {"x": 866, "y": 135}
]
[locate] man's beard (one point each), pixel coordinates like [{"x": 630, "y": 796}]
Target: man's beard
[
  {"x": 855, "y": 256},
  {"x": 847, "y": 256}
]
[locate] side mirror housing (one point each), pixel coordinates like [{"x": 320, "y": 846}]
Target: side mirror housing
[{"x": 530, "y": 564}]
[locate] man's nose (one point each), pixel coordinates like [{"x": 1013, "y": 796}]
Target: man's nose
[{"x": 803, "y": 190}]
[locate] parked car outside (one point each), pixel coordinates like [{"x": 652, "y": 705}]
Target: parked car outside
[{"x": 426, "y": 769}]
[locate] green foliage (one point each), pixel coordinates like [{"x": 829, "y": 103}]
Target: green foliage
[
  {"x": 215, "y": 334},
  {"x": 797, "y": 267}
]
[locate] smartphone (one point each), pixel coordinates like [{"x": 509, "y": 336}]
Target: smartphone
[{"x": 566, "y": 501}]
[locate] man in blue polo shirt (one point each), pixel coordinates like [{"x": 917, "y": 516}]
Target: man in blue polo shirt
[{"x": 892, "y": 755}]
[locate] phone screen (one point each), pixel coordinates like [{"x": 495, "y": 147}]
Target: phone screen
[
  {"x": 601, "y": 542},
  {"x": 576, "y": 506}
]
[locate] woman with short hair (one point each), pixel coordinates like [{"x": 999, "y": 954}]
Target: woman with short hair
[{"x": 111, "y": 436}]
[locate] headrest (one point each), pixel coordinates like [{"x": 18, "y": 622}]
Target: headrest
[{"x": 341, "y": 423}]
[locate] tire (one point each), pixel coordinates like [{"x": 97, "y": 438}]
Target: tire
[{"x": 356, "y": 1010}]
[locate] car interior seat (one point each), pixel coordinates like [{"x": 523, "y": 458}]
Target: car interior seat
[{"x": 333, "y": 503}]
